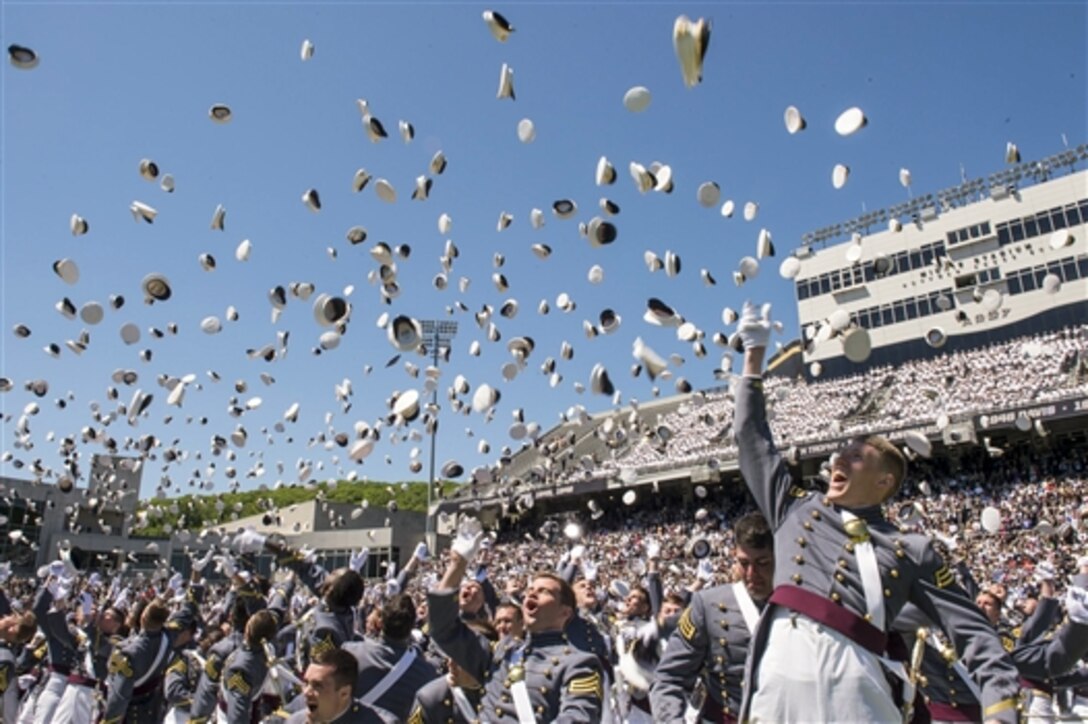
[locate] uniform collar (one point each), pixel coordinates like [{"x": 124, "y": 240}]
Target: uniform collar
[{"x": 545, "y": 638}]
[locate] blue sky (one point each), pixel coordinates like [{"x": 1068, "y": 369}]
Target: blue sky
[{"x": 943, "y": 85}]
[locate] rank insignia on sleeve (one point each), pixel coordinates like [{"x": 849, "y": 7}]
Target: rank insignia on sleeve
[
  {"x": 119, "y": 664},
  {"x": 590, "y": 684},
  {"x": 416, "y": 716},
  {"x": 237, "y": 682},
  {"x": 944, "y": 577},
  {"x": 686, "y": 627},
  {"x": 4, "y": 678}
]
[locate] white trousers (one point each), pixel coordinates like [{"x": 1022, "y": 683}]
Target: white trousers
[
  {"x": 77, "y": 706},
  {"x": 49, "y": 698},
  {"x": 810, "y": 673}
]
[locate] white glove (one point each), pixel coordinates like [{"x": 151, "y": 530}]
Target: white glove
[
  {"x": 392, "y": 588},
  {"x": 56, "y": 569},
  {"x": 199, "y": 564},
  {"x": 88, "y": 603},
  {"x": 226, "y": 565},
  {"x": 53, "y": 586},
  {"x": 5, "y": 572},
  {"x": 705, "y": 571},
  {"x": 576, "y": 553},
  {"x": 64, "y": 589},
  {"x": 358, "y": 560},
  {"x": 249, "y": 541},
  {"x": 589, "y": 570},
  {"x": 467, "y": 540},
  {"x": 1076, "y": 604},
  {"x": 421, "y": 553},
  {"x": 653, "y": 549},
  {"x": 307, "y": 554},
  {"x": 176, "y": 582},
  {"x": 754, "y": 327},
  {"x": 1045, "y": 572}
]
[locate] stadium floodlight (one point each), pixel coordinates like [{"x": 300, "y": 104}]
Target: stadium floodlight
[{"x": 437, "y": 335}]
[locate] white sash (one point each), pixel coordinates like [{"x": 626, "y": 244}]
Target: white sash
[
  {"x": 462, "y": 703},
  {"x": 391, "y": 678},
  {"x": 163, "y": 648},
  {"x": 747, "y": 606},
  {"x": 870, "y": 576},
  {"x": 522, "y": 703}
]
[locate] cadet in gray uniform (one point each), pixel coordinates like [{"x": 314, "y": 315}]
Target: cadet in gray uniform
[
  {"x": 207, "y": 688},
  {"x": 843, "y": 573},
  {"x": 456, "y": 697},
  {"x": 391, "y": 669},
  {"x": 544, "y": 676},
  {"x": 16, "y": 630},
  {"x": 714, "y": 631},
  {"x": 134, "y": 686},
  {"x": 329, "y": 681},
  {"x": 245, "y": 669}
]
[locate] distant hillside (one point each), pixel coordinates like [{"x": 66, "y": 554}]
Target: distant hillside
[{"x": 159, "y": 517}]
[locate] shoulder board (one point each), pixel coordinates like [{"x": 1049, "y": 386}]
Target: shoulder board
[
  {"x": 237, "y": 682},
  {"x": 796, "y": 491},
  {"x": 589, "y": 684},
  {"x": 178, "y": 667},
  {"x": 324, "y": 643},
  {"x": 120, "y": 664}
]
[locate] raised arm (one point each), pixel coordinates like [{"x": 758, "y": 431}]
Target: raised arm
[
  {"x": 765, "y": 472},
  {"x": 679, "y": 667}
]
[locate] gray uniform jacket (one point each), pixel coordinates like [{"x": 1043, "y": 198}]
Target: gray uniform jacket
[
  {"x": 814, "y": 552},
  {"x": 63, "y": 655},
  {"x": 435, "y": 704},
  {"x": 137, "y": 659},
  {"x": 207, "y": 689},
  {"x": 564, "y": 684},
  {"x": 711, "y": 642},
  {"x": 377, "y": 657},
  {"x": 240, "y": 685}
]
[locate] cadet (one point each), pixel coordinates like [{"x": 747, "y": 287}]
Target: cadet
[
  {"x": 329, "y": 681},
  {"x": 456, "y": 697},
  {"x": 391, "y": 670},
  {"x": 544, "y": 677},
  {"x": 714, "y": 632},
  {"x": 843, "y": 574},
  {"x": 207, "y": 689},
  {"x": 134, "y": 687},
  {"x": 63, "y": 657},
  {"x": 16, "y": 630},
  {"x": 245, "y": 669}
]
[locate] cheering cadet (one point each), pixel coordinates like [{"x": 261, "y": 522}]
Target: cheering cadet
[
  {"x": 329, "y": 681},
  {"x": 843, "y": 574},
  {"x": 543, "y": 678},
  {"x": 391, "y": 669},
  {"x": 714, "y": 631}
]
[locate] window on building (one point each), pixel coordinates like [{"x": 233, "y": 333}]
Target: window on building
[
  {"x": 1031, "y": 229},
  {"x": 1014, "y": 284},
  {"x": 1017, "y": 230},
  {"x": 1043, "y": 220},
  {"x": 912, "y": 308},
  {"x": 1003, "y": 235}
]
